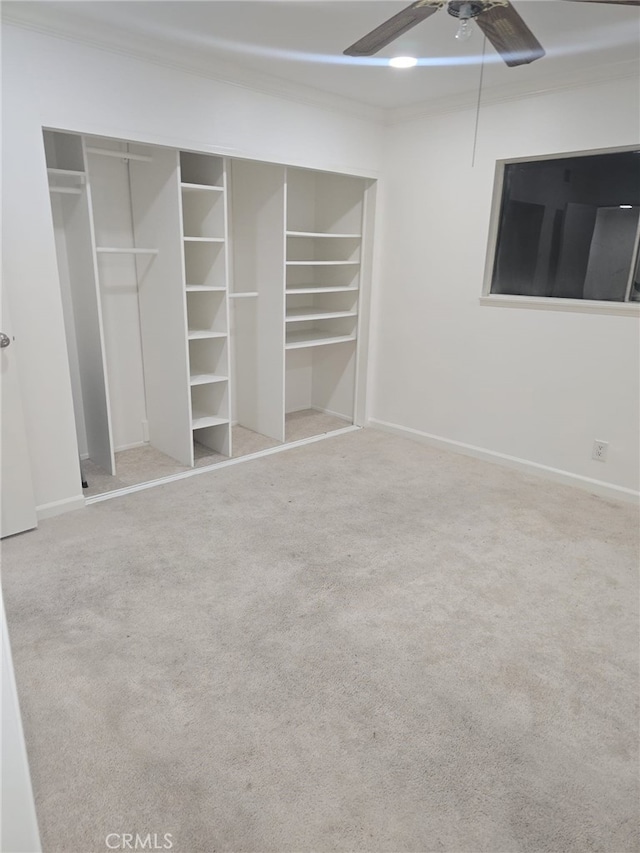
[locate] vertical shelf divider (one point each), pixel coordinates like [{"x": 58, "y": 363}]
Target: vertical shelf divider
[
  {"x": 155, "y": 201},
  {"x": 257, "y": 233}
]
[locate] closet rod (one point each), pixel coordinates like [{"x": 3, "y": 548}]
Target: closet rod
[{"x": 122, "y": 155}]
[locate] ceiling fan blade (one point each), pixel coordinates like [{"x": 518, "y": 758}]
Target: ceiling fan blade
[
  {"x": 510, "y": 36},
  {"x": 394, "y": 27}
]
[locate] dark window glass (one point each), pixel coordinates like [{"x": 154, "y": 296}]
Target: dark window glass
[{"x": 569, "y": 228}]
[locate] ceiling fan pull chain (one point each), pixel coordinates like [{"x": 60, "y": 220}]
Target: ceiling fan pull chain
[{"x": 475, "y": 132}]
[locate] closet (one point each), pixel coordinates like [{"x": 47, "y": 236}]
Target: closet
[
  {"x": 211, "y": 304},
  {"x": 324, "y": 215}
]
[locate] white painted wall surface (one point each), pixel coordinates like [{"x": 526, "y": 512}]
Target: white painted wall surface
[
  {"x": 536, "y": 385},
  {"x": 48, "y": 81}
]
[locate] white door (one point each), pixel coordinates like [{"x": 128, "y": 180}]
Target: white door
[{"x": 17, "y": 503}]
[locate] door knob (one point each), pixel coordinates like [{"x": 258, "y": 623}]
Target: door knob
[{"x": 5, "y": 340}]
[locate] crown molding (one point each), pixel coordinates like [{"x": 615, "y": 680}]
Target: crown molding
[
  {"x": 123, "y": 44},
  {"x": 222, "y": 72},
  {"x": 515, "y": 92}
]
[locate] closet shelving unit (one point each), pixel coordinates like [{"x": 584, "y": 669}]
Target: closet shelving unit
[
  {"x": 66, "y": 181},
  {"x": 203, "y": 294},
  {"x": 328, "y": 290},
  {"x": 322, "y": 280},
  {"x": 65, "y": 165},
  {"x": 205, "y": 237}
]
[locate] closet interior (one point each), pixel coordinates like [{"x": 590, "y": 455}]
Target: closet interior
[{"x": 211, "y": 304}]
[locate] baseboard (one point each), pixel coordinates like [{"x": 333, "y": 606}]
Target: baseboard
[
  {"x": 342, "y": 417},
  {"x": 59, "y": 507},
  {"x": 131, "y": 446},
  {"x": 596, "y": 487}
]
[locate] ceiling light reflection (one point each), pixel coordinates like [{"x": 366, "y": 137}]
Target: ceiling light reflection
[{"x": 403, "y": 61}]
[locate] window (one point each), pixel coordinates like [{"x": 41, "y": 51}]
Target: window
[{"x": 569, "y": 228}]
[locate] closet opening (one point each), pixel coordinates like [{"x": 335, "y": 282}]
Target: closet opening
[{"x": 211, "y": 305}]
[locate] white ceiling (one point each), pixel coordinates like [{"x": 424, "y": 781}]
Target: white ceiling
[{"x": 300, "y": 43}]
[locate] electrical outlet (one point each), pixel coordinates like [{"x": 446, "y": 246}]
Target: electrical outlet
[{"x": 599, "y": 452}]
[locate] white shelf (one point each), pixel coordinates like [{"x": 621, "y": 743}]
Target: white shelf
[
  {"x": 202, "y": 419},
  {"x": 298, "y": 315},
  {"x": 322, "y": 263},
  {"x": 295, "y": 291},
  {"x": 68, "y": 173},
  {"x": 199, "y": 334},
  {"x": 315, "y": 338},
  {"x": 201, "y": 188},
  {"x": 246, "y": 295},
  {"x": 109, "y": 250},
  {"x": 204, "y": 288},
  {"x": 66, "y": 190},
  {"x": 206, "y": 378},
  {"x": 203, "y": 239},
  {"x": 323, "y": 234}
]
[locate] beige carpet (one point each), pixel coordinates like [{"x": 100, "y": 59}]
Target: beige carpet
[
  {"x": 362, "y": 644},
  {"x": 145, "y": 464},
  {"x": 308, "y": 422}
]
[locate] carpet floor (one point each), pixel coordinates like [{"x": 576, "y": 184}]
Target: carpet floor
[
  {"x": 361, "y": 644},
  {"x": 146, "y": 463}
]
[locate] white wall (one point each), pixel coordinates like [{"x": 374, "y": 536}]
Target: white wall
[
  {"x": 57, "y": 83},
  {"x": 536, "y": 385}
]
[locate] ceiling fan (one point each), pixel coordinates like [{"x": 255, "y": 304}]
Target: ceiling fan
[{"x": 497, "y": 19}]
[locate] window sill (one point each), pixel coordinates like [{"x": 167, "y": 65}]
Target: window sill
[{"x": 582, "y": 306}]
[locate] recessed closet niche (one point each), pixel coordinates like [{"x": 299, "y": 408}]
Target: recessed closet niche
[
  {"x": 210, "y": 304},
  {"x": 324, "y": 220}
]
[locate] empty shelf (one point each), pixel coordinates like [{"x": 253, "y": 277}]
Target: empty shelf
[
  {"x": 322, "y": 234},
  {"x": 246, "y": 295},
  {"x": 206, "y": 378},
  {"x": 315, "y": 338},
  {"x": 204, "y": 239},
  {"x": 204, "y": 288},
  {"x": 202, "y": 419},
  {"x": 200, "y": 187},
  {"x": 196, "y": 334},
  {"x": 315, "y": 289},
  {"x": 322, "y": 263},
  {"x": 298, "y": 315},
  {"x": 70, "y": 173},
  {"x": 66, "y": 190}
]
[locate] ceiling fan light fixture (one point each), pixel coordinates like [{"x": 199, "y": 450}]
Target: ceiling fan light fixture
[
  {"x": 464, "y": 12},
  {"x": 464, "y": 30},
  {"x": 403, "y": 61}
]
